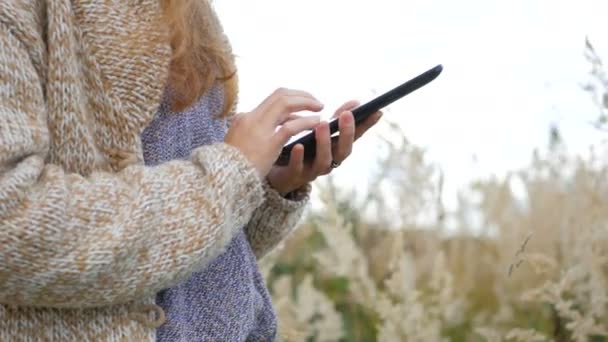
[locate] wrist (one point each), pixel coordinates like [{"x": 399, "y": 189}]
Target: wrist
[
  {"x": 283, "y": 191},
  {"x": 292, "y": 194}
]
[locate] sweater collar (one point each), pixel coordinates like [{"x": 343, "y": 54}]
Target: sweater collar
[{"x": 107, "y": 65}]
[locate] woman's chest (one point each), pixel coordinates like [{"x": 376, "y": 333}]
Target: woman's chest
[
  {"x": 173, "y": 135},
  {"x": 107, "y": 63}
]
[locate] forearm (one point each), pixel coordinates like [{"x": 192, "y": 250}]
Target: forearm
[
  {"x": 70, "y": 241},
  {"x": 275, "y": 219}
]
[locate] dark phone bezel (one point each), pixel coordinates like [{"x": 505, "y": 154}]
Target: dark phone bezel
[{"x": 362, "y": 112}]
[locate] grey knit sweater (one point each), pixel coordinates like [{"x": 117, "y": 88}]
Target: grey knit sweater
[{"x": 228, "y": 300}]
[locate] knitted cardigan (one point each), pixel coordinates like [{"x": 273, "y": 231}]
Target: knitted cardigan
[{"x": 88, "y": 233}]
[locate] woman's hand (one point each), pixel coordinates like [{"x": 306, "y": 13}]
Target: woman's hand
[
  {"x": 255, "y": 133},
  {"x": 297, "y": 173}
]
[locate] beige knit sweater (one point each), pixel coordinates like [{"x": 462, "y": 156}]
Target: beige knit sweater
[{"x": 88, "y": 234}]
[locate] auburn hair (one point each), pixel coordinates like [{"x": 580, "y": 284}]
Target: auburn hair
[{"x": 201, "y": 53}]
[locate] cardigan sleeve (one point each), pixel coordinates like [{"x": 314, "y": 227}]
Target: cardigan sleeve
[{"x": 275, "y": 219}]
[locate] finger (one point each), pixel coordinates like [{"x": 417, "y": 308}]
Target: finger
[
  {"x": 362, "y": 127},
  {"x": 279, "y": 93},
  {"x": 296, "y": 160},
  {"x": 350, "y": 105},
  {"x": 323, "y": 158},
  {"x": 344, "y": 147},
  {"x": 296, "y": 116},
  {"x": 293, "y": 127},
  {"x": 285, "y": 106}
]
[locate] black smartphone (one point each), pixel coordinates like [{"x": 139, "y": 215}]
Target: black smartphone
[{"x": 361, "y": 113}]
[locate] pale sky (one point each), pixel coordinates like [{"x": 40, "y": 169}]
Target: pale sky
[{"x": 511, "y": 68}]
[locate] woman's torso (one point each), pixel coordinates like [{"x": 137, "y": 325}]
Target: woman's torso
[{"x": 227, "y": 301}]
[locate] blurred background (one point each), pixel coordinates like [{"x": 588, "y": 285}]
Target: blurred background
[{"x": 478, "y": 209}]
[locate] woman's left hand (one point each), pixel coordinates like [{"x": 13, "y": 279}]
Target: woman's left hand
[{"x": 298, "y": 173}]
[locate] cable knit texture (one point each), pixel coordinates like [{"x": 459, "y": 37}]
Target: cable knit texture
[{"x": 89, "y": 234}]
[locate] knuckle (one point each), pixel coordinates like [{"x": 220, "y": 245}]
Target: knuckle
[
  {"x": 325, "y": 165},
  {"x": 281, "y": 91},
  {"x": 284, "y": 102},
  {"x": 238, "y": 120},
  {"x": 286, "y": 131}
]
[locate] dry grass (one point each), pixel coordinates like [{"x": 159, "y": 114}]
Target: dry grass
[{"x": 535, "y": 269}]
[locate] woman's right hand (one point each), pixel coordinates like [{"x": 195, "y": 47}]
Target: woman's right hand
[{"x": 255, "y": 133}]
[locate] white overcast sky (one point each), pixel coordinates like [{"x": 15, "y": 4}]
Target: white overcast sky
[{"x": 511, "y": 68}]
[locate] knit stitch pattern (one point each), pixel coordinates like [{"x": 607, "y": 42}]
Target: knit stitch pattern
[
  {"x": 89, "y": 234},
  {"x": 228, "y": 300}
]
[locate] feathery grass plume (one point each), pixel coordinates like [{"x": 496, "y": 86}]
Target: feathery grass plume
[{"x": 521, "y": 258}]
